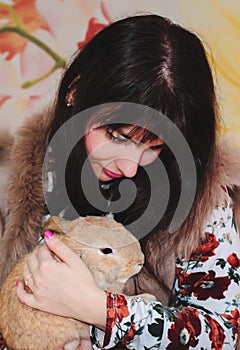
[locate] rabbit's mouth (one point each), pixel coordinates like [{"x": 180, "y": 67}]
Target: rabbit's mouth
[
  {"x": 135, "y": 270},
  {"x": 122, "y": 280}
]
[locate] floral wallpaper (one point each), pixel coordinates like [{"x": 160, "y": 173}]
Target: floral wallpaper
[{"x": 38, "y": 37}]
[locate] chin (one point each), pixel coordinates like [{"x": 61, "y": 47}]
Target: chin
[{"x": 104, "y": 177}]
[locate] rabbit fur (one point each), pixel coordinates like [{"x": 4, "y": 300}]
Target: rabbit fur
[{"x": 25, "y": 328}]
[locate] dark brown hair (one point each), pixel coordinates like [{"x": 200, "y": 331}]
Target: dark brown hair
[{"x": 151, "y": 61}]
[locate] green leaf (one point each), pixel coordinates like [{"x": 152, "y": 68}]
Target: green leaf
[
  {"x": 221, "y": 263},
  {"x": 156, "y": 329}
]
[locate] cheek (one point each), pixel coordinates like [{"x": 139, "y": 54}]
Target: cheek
[
  {"x": 149, "y": 157},
  {"x": 98, "y": 147},
  {"x": 92, "y": 141},
  {"x": 101, "y": 151}
]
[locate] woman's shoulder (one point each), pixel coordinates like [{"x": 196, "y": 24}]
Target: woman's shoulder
[
  {"x": 23, "y": 189},
  {"x": 26, "y": 153},
  {"x": 35, "y": 127},
  {"x": 6, "y": 142},
  {"x": 226, "y": 167},
  {"x": 229, "y": 175},
  {"x": 222, "y": 179},
  {"x": 236, "y": 205}
]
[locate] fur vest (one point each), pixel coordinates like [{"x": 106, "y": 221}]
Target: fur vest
[{"x": 22, "y": 205}]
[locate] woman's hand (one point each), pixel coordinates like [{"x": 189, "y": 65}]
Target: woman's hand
[{"x": 64, "y": 288}]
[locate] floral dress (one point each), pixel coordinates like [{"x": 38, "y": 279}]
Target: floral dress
[{"x": 206, "y": 315}]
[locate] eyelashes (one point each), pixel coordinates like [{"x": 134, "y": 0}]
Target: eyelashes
[
  {"x": 158, "y": 147},
  {"x": 116, "y": 137},
  {"x": 113, "y": 136}
]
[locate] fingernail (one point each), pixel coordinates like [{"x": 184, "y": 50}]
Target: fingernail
[
  {"x": 48, "y": 234},
  {"x": 16, "y": 283}
]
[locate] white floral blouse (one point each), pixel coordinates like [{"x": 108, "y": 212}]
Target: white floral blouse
[{"x": 206, "y": 315}]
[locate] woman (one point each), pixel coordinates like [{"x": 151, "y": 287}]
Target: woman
[{"x": 152, "y": 63}]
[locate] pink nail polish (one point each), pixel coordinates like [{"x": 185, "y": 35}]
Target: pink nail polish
[
  {"x": 48, "y": 234},
  {"x": 16, "y": 283}
]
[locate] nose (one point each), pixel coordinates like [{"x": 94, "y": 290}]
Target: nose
[{"x": 128, "y": 167}]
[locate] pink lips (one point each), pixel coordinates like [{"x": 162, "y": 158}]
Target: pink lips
[{"x": 111, "y": 174}]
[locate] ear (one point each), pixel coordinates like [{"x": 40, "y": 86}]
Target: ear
[
  {"x": 56, "y": 224},
  {"x": 72, "y": 91}
]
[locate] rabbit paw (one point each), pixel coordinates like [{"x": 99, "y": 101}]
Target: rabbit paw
[
  {"x": 72, "y": 345},
  {"x": 147, "y": 297}
]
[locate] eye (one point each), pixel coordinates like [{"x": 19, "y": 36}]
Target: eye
[
  {"x": 106, "y": 251},
  {"x": 114, "y": 136},
  {"x": 158, "y": 147}
]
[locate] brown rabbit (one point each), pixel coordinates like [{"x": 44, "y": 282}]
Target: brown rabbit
[{"x": 113, "y": 255}]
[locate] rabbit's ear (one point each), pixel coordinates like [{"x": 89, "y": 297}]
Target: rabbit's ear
[{"x": 56, "y": 224}]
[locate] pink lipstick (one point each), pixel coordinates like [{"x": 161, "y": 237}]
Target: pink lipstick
[{"x": 111, "y": 174}]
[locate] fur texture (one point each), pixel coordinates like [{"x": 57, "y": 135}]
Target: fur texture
[
  {"x": 6, "y": 141},
  {"x": 25, "y": 193},
  {"x": 25, "y": 206},
  {"x": 91, "y": 238},
  {"x": 225, "y": 172}
]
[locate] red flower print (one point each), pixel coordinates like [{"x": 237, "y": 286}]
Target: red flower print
[
  {"x": 182, "y": 277},
  {"x": 185, "y": 330},
  {"x": 3, "y": 99},
  {"x": 130, "y": 335},
  {"x": 93, "y": 28},
  {"x": 216, "y": 334},
  {"x": 234, "y": 319},
  {"x": 206, "y": 249},
  {"x": 233, "y": 260},
  {"x": 31, "y": 19},
  {"x": 203, "y": 285},
  {"x": 116, "y": 310}
]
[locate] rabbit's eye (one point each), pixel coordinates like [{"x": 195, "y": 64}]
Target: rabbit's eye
[{"x": 106, "y": 250}]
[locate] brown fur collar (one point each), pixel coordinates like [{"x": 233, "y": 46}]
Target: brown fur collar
[
  {"x": 157, "y": 276},
  {"x": 223, "y": 173},
  {"x": 6, "y": 142},
  {"x": 25, "y": 198}
]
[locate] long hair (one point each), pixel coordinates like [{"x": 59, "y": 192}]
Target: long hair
[{"x": 151, "y": 61}]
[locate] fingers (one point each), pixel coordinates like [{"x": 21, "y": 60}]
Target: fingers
[
  {"x": 31, "y": 265},
  {"x": 41, "y": 262},
  {"x": 24, "y": 297},
  {"x": 61, "y": 250},
  {"x": 40, "y": 259},
  {"x": 37, "y": 258}
]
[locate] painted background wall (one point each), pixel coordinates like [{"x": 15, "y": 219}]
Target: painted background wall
[{"x": 37, "y": 38}]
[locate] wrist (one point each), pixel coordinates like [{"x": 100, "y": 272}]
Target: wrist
[
  {"x": 100, "y": 309},
  {"x": 95, "y": 309}
]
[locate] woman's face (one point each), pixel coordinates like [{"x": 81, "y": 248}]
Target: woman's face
[{"x": 112, "y": 154}]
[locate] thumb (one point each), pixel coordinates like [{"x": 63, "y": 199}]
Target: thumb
[{"x": 61, "y": 250}]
